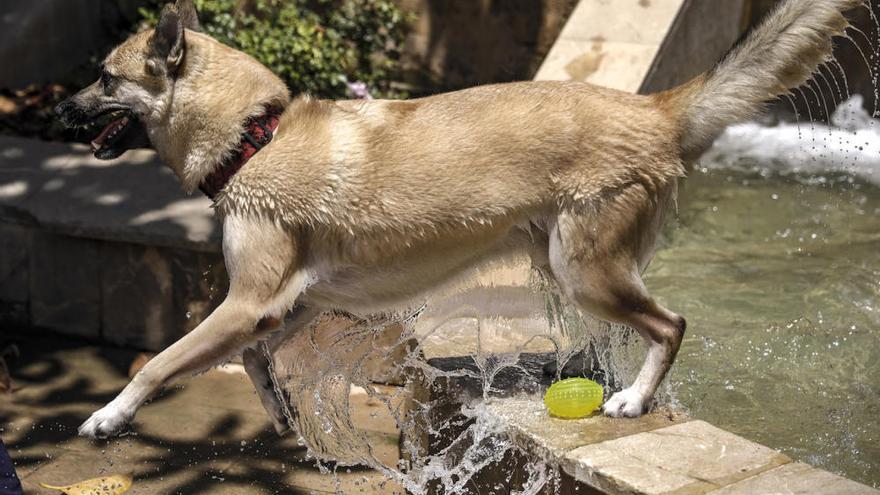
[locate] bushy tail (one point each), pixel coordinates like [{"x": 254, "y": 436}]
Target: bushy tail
[{"x": 779, "y": 54}]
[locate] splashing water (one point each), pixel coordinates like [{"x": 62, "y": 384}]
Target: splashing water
[
  {"x": 851, "y": 145},
  {"x": 315, "y": 370}
]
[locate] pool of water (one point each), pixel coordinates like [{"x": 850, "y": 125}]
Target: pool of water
[{"x": 778, "y": 275}]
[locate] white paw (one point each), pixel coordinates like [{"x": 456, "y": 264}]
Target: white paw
[
  {"x": 108, "y": 421},
  {"x": 627, "y": 403}
]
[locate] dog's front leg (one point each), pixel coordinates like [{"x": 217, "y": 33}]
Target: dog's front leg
[{"x": 265, "y": 279}]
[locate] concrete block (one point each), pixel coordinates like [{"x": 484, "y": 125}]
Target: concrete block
[
  {"x": 463, "y": 43},
  {"x": 64, "y": 284},
  {"x": 15, "y": 246},
  {"x": 693, "y": 457},
  {"x": 612, "y": 47}
]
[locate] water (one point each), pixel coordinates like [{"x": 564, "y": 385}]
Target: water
[{"x": 775, "y": 262}]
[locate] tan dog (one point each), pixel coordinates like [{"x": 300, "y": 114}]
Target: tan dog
[{"x": 361, "y": 205}]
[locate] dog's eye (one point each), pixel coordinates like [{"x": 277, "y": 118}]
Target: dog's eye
[{"x": 106, "y": 80}]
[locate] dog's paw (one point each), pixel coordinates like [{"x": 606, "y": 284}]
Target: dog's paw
[
  {"x": 627, "y": 403},
  {"x": 108, "y": 421}
]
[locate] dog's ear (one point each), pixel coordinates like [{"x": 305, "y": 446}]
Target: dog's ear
[
  {"x": 169, "y": 39},
  {"x": 188, "y": 15}
]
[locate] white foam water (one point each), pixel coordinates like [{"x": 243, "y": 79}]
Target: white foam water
[{"x": 849, "y": 145}]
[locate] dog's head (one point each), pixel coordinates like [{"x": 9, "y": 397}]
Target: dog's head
[
  {"x": 136, "y": 84},
  {"x": 136, "y": 79},
  {"x": 181, "y": 91}
]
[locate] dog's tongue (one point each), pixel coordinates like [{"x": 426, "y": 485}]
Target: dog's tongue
[{"x": 108, "y": 132}]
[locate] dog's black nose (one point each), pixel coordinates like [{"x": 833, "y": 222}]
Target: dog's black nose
[
  {"x": 70, "y": 113},
  {"x": 63, "y": 107}
]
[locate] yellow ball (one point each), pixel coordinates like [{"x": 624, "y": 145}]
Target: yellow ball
[{"x": 573, "y": 398}]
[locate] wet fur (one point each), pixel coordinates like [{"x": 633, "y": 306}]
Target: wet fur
[{"x": 360, "y": 205}]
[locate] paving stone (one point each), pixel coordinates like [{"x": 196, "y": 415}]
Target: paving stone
[
  {"x": 72, "y": 467},
  {"x": 174, "y": 418},
  {"x": 692, "y": 457},
  {"x": 288, "y": 467},
  {"x": 64, "y": 282},
  {"x": 207, "y": 435},
  {"x": 796, "y": 479},
  {"x": 227, "y": 387}
]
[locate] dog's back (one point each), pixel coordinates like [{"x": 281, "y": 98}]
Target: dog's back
[{"x": 458, "y": 159}]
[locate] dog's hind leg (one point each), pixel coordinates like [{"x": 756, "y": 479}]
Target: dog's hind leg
[
  {"x": 265, "y": 276},
  {"x": 601, "y": 276},
  {"x": 257, "y": 365}
]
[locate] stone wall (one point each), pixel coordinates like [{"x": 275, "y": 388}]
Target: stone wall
[{"x": 135, "y": 296}]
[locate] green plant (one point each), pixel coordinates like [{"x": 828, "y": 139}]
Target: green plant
[{"x": 316, "y": 46}]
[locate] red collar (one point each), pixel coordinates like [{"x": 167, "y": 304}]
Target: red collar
[{"x": 258, "y": 132}]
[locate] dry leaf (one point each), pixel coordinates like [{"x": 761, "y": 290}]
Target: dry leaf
[{"x": 107, "y": 485}]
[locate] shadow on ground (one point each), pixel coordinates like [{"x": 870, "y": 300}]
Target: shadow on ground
[{"x": 209, "y": 435}]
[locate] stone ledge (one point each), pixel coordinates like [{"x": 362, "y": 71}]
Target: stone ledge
[
  {"x": 63, "y": 189},
  {"x": 534, "y": 429},
  {"x": 661, "y": 453}
]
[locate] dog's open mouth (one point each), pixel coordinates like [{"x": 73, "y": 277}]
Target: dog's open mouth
[{"x": 121, "y": 132}]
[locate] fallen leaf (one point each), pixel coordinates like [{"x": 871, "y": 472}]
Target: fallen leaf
[{"x": 107, "y": 485}]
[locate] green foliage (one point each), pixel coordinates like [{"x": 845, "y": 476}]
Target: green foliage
[{"x": 316, "y": 46}]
